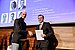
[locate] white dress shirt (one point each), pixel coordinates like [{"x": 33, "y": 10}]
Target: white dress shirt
[{"x": 40, "y": 26}]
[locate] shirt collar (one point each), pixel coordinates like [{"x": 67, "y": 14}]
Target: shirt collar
[{"x": 42, "y": 23}]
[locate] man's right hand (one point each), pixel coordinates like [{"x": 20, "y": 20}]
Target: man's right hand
[{"x": 30, "y": 33}]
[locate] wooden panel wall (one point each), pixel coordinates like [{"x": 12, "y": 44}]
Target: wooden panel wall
[
  {"x": 5, "y": 34},
  {"x": 65, "y": 36}
]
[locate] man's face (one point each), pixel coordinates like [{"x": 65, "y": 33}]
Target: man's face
[
  {"x": 12, "y": 5},
  {"x": 4, "y": 17},
  {"x": 40, "y": 19},
  {"x": 12, "y": 16},
  {"x": 22, "y": 3},
  {"x": 23, "y": 15}
]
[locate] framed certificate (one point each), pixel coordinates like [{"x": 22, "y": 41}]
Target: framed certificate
[{"x": 38, "y": 34}]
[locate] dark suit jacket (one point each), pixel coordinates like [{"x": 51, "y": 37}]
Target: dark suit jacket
[
  {"x": 19, "y": 30},
  {"x": 48, "y": 31},
  {"x": 10, "y": 38}
]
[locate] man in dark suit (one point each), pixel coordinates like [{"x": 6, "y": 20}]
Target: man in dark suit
[
  {"x": 19, "y": 31},
  {"x": 48, "y": 33}
]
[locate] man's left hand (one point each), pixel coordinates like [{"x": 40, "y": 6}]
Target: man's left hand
[{"x": 43, "y": 35}]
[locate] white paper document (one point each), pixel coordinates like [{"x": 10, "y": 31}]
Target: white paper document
[{"x": 38, "y": 34}]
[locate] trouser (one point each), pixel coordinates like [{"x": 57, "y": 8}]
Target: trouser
[
  {"x": 45, "y": 48},
  {"x": 15, "y": 46}
]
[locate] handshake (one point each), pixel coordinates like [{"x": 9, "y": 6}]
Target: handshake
[{"x": 31, "y": 34}]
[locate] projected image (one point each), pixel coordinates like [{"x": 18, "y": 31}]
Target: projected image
[
  {"x": 4, "y": 18},
  {"x": 12, "y": 17},
  {"x": 22, "y": 4},
  {"x": 13, "y": 5},
  {"x": 18, "y": 15},
  {"x": 55, "y": 11}
]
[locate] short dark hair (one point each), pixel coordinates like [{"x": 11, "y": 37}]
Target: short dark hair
[
  {"x": 14, "y": 4},
  {"x": 22, "y": 0},
  {"x": 12, "y": 14},
  {"x": 41, "y": 15}
]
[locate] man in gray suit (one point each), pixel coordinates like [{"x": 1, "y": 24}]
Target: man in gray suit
[
  {"x": 19, "y": 31},
  {"x": 48, "y": 34}
]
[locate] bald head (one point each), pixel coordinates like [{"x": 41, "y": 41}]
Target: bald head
[{"x": 23, "y": 14}]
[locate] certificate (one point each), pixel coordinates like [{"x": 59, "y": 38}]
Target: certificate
[{"x": 38, "y": 34}]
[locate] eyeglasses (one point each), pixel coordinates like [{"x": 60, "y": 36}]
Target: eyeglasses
[{"x": 24, "y": 14}]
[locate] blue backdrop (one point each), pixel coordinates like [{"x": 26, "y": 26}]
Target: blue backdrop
[{"x": 55, "y": 11}]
